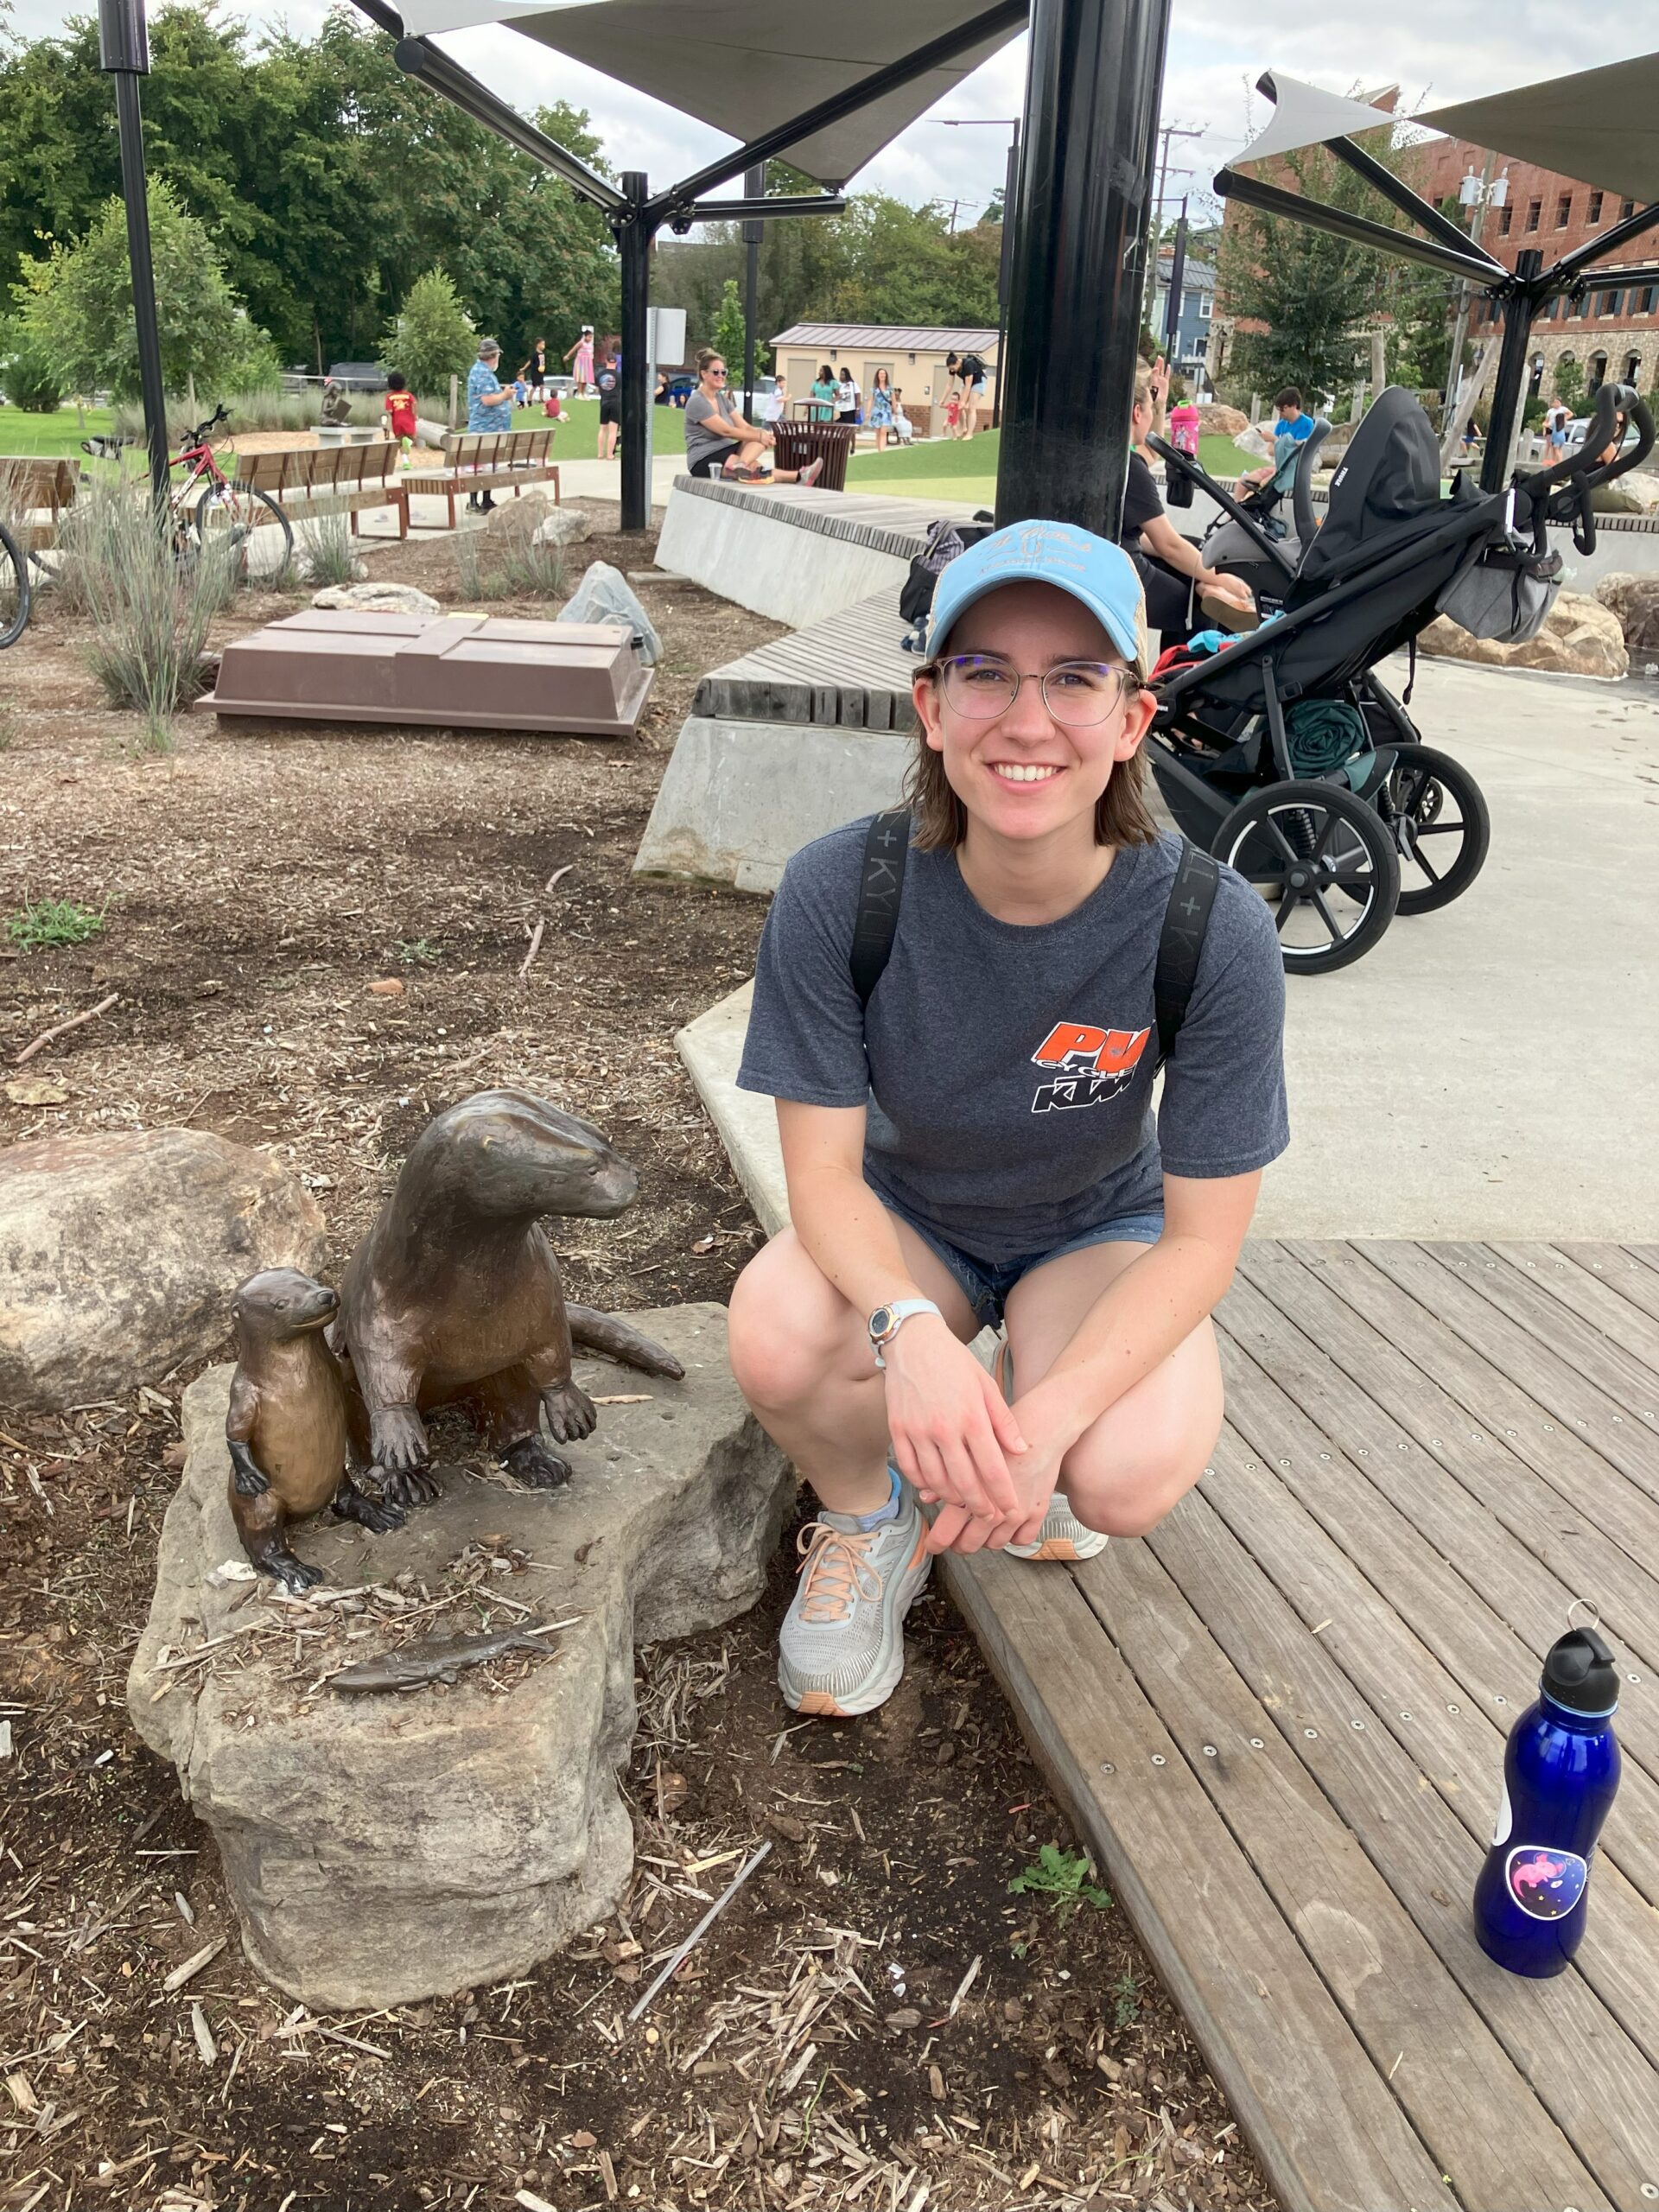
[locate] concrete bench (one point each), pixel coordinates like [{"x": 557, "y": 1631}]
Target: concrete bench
[
  {"x": 489, "y": 460},
  {"x": 308, "y": 480},
  {"x": 37, "y": 493}
]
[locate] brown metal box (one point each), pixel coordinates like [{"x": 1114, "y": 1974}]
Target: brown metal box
[{"x": 463, "y": 670}]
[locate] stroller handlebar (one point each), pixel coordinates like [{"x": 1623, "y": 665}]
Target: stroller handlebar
[{"x": 1561, "y": 493}]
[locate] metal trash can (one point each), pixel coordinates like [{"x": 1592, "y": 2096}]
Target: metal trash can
[{"x": 796, "y": 444}]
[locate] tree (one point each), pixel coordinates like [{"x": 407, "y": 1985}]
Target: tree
[
  {"x": 729, "y": 333},
  {"x": 432, "y": 338},
  {"x": 76, "y": 305},
  {"x": 1569, "y": 383},
  {"x": 30, "y": 377}
]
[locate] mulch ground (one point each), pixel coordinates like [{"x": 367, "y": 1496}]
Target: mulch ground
[{"x": 877, "y": 2020}]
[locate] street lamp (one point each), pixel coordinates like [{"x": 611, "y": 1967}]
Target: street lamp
[
  {"x": 1010, "y": 186},
  {"x": 123, "y": 54}
]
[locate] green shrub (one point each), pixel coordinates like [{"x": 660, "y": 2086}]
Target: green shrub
[
  {"x": 30, "y": 374},
  {"x": 1061, "y": 1878},
  {"x": 432, "y": 338},
  {"x": 51, "y": 922}
]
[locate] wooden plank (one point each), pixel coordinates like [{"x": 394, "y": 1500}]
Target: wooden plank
[
  {"x": 1560, "y": 1530},
  {"x": 1459, "y": 1745},
  {"x": 1476, "y": 2112},
  {"x": 1545, "y": 1377},
  {"x": 1412, "y": 1832},
  {"x": 1613, "y": 1371},
  {"x": 1324, "y": 2128},
  {"x": 1620, "y": 1270},
  {"x": 1552, "y": 1449},
  {"x": 1645, "y": 1255},
  {"x": 1595, "y": 1302}
]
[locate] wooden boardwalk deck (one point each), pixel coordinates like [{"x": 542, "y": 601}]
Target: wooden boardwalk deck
[{"x": 1281, "y": 1719}]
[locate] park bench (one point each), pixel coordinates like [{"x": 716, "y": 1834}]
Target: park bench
[
  {"x": 310, "y": 480},
  {"x": 489, "y": 460},
  {"x": 37, "y": 491}
]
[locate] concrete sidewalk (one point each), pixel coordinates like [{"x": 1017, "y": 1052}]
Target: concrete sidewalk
[{"x": 1487, "y": 1070}]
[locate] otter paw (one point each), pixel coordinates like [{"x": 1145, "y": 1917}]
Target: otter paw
[
  {"x": 409, "y": 1486},
  {"x": 293, "y": 1573},
  {"x": 533, "y": 1464},
  {"x": 378, "y": 1516},
  {"x": 398, "y": 1439},
  {"x": 570, "y": 1412}
]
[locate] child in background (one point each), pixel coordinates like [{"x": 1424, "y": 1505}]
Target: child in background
[
  {"x": 521, "y": 386},
  {"x": 399, "y": 416},
  {"x": 952, "y": 410},
  {"x": 583, "y": 350}
]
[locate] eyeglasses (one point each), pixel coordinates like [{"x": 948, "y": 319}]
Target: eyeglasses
[{"x": 983, "y": 685}]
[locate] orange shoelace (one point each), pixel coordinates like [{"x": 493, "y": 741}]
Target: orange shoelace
[{"x": 838, "y": 1570}]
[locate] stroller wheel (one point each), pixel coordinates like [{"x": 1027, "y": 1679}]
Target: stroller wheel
[
  {"x": 1434, "y": 808},
  {"x": 1326, "y": 864}
]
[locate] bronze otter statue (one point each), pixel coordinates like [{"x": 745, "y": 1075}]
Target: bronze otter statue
[
  {"x": 287, "y": 1423},
  {"x": 453, "y": 1296}
]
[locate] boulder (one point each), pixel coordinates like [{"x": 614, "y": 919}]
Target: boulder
[
  {"x": 1634, "y": 602},
  {"x": 535, "y": 515},
  {"x": 377, "y": 598},
  {"x": 386, "y": 1847},
  {"x": 1216, "y": 421},
  {"x": 605, "y": 595},
  {"x": 1578, "y": 638},
  {"x": 119, "y": 1255},
  {"x": 1634, "y": 494}
]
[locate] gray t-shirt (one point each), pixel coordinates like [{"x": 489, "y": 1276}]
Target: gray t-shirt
[
  {"x": 1008, "y": 1070},
  {"x": 701, "y": 442}
]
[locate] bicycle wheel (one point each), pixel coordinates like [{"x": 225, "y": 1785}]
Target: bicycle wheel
[
  {"x": 1434, "y": 808},
  {"x": 15, "y": 589},
  {"x": 226, "y": 516},
  {"x": 1326, "y": 864}
]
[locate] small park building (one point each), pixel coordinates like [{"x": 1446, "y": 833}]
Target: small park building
[{"x": 913, "y": 357}]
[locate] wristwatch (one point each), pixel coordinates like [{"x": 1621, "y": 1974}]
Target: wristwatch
[{"x": 887, "y": 1321}]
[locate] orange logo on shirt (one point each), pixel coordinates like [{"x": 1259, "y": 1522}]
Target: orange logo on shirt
[{"x": 1092, "y": 1064}]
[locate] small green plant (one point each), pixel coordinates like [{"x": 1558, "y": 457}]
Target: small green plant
[
  {"x": 418, "y": 952},
  {"x": 510, "y": 567},
  {"x": 1127, "y": 1992},
  {"x": 53, "y": 922},
  {"x": 1061, "y": 1878},
  {"x": 329, "y": 555}
]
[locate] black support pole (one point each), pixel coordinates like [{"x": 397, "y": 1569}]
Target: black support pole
[
  {"x": 1509, "y": 393},
  {"x": 1079, "y": 258},
  {"x": 123, "y": 54},
  {"x": 634, "y": 234},
  {"x": 1176, "y": 281},
  {"x": 754, "y": 187}
]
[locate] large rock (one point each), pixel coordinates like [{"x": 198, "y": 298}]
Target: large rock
[
  {"x": 119, "y": 1255},
  {"x": 1633, "y": 601},
  {"x": 605, "y": 595},
  {"x": 384, "y": 1848},
  {"x": 1634, "y": 494},
  {"x": 536, "y": 515},
  {"x": 1216, "y": 421},
  {"x": 377, "y": 599},
  {"x": 1578, "y": 638}
]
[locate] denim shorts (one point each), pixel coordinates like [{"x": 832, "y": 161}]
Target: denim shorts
[{"x": 986, "y": 1283}]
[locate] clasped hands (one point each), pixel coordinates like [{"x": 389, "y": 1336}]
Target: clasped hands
[{"x": 990, "y": 1468}]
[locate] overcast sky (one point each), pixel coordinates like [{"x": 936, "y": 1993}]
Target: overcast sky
[{"x": 1437, "y": 50}]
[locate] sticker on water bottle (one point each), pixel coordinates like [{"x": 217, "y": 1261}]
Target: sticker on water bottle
[
  {"x": 1546, "y": 1884},
  {"x": 1504, "y": 1827}
]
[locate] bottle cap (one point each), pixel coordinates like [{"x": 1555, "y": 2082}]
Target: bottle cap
[{"x": 1581, "y": 1673}]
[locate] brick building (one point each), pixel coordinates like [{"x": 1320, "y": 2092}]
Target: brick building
[{"x": 1613, "y": 329}]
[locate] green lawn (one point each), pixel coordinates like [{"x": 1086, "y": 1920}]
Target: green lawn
[
  {"x": 965, "y": 468},
  {"x": 61, "y": 433}
]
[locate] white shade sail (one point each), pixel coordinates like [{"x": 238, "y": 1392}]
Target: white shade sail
[
  {"x": 745, "y": 67},
  {"x": 1601, "y": 126},
  {"x": 1304, "y": 116}
]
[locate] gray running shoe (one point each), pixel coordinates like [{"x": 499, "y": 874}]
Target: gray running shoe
[
  {"x": 1062, "y": 1535},
  {"x": 842, "y": 1648}
]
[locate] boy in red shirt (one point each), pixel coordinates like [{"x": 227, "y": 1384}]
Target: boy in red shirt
[{"x": 399, "y": 415}]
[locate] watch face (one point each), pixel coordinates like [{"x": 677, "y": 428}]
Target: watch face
[{"x": 881, "y": 1323}]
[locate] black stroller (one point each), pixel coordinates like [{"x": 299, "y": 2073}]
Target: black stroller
[{"x": 1283, "y": 753}]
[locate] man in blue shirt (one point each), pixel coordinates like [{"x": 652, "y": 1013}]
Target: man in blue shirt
[{"x": 489, "y": 405}]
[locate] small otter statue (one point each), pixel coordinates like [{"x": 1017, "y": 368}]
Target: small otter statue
[
  {"x": 287, "y": 1427},
  {"x": 455, "y": 1294}
]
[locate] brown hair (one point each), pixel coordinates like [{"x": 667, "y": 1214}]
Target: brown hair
[
  {"x": 1121, "y": 815},
  {"x": 708, "y": 357}
]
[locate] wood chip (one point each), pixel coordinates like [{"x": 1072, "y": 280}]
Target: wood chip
[
  {"x": 531, "y": 2202},
  {"x": 193, "y": 1965},
  {"x": 22, "y": 2092},
  {"x": 625, "y": 1398},
  {"x": 558, "y": 874},
  {"x": 204, "y": 2037},
  {"x": 608, "y": 2175},
  {"x": 388, "y": 987},
  {"x": 965, "y": 1985},
  {"x": 936, "y": 2087},
  {"x": 535, "y": 946}
]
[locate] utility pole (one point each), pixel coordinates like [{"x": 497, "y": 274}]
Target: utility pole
[
  {"x": 1010, "y": 193},
  {"x": 1166, "y": 132},
  {"x": 1177, "y": 279},
  {"x": 1476, "y": 198}
]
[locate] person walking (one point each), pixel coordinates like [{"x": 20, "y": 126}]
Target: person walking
[
  {"x": 720, "y": 443},
  {"x": 584, "y": 350},
  {"x": 489, "y": 406},
  {"x": 608, "y": 379},
  {"x": 535, "y": 368},
  {"x": 881, "y": 408},
  {"x": 972, "y": 1141},
  {"x": 847, "y": 396},
  {"x": 825, "y": 395}
]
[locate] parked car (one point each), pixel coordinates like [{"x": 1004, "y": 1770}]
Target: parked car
[
  {"x": 357, "y": 376},
  {"x": 1577, "y": 429}
]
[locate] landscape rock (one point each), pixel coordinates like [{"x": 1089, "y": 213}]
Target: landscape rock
[
  {"x": 536, "y": 516},
  {"x": 383, "y": 1848},
  {"x": 377, "y": 598},
  {"x": 1634, "y": 494},
  {"x": 605, "y": 595},
  {"x": 1634, "y": 602},
  {"x": 119, "y": 1255},
  {"x": 1216, "y": 421},
  {"x": 1579, "y": 638}
]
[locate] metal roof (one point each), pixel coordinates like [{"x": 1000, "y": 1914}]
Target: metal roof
[{"x": 888, "y": 337}]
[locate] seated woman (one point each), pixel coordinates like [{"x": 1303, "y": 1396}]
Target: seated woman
[
  {"x": 1169, "y": 564},
  {"x": 720, "y": 443},
  {"x": 974, "y": 1139}
]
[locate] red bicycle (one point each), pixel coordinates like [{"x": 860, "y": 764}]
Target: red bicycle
[{"x": 225, "y": 513}]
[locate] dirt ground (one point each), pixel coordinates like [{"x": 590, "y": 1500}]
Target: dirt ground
[{"x": 877, "y": 2020}]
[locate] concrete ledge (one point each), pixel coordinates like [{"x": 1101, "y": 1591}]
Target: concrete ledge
[
  {"x": 712, "y": 1049},
  {"x": 784, "y": 565},
  {"x": 739, "y": 797}
]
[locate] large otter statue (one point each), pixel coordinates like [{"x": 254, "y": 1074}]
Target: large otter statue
[
  {"x": 454, "y": 1295},
  {"x": 287, "y": 1424}
]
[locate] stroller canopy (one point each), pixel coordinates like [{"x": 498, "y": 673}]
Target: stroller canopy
[{"x": 1388, "y": 480}]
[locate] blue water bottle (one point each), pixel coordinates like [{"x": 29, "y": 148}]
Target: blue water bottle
[{"x": 1560, "y": 1773}]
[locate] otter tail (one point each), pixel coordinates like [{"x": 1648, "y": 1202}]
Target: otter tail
[{"x": 605, "y": 1332}]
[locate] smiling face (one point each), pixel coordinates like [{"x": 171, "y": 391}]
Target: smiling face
[{"x": 1021, "y": 774}]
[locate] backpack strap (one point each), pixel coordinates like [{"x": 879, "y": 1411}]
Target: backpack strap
[
  {"x": 880, "y": 883},
  {"x": 1186, "y": 917}
]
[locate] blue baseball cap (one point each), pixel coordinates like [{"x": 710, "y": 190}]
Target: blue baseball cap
[{"x": 1097, "y": 573}]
